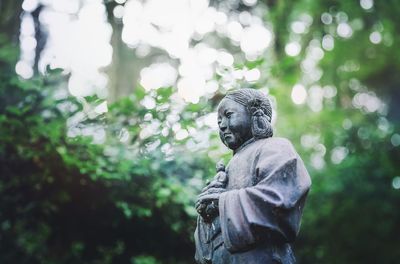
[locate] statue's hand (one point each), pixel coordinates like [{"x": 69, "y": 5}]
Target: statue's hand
[
  {"x": 207, "y": 203},
  {"x": 209, "y": 195},
  {"x": 208, "y": 211},
  {"x": 213, "y": 184}
]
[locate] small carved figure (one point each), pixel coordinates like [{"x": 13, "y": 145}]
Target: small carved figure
[{"x": 250, "y": 212}]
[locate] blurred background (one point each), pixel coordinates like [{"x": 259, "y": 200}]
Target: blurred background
[{"x": 108, "y": 125}]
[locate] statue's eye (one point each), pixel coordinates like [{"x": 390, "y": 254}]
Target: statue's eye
[{"x": 228, "y": 114}]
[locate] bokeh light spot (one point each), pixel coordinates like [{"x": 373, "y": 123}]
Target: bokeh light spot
[
  {"x": 255, "y": 39},
  {"x": 326, "y": 18},
  {"x": 24, "y": 70},
  {"x": 366, "y": 4},
  {"x": 339, "y": 154},
  {"x": 299, "y": 94},
  {"x": 298, "y": 27},
  {"x": 252, "y": 75},
  {"x": 328, "y": 42},
  {"x": 344, "y": 30},
  {"x": 396, "y": 183},
  {"x": 118, "y": 11},
  {"x": 395, "y": 140},
  {"x": 375, "y": 37},
  {"x": 158, "y": 75},
  {"x": 249, "y": 2},
  {"x": 292, "y": 49},
  {"x": 30, "y": 5}
]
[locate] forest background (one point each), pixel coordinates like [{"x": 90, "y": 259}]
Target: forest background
[{"x": 108, "y": 125}]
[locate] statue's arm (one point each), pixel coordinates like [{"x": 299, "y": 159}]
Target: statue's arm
[{"x": 272, "y": 208}]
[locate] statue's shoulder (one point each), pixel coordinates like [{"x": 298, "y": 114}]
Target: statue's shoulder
[
  {"x": 278, "y": 145},
  {"x": 279, "y": 141}
]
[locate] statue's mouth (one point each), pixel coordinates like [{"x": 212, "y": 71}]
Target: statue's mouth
[{"x": 227, "y": 135}]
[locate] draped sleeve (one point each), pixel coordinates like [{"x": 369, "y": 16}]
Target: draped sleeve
[{"x": 272, "y": 207}]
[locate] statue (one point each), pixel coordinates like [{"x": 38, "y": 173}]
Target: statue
[{"x": 250, "y": 212}]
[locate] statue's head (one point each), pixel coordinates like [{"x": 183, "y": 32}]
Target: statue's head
[{"x": 244, "y": 114}]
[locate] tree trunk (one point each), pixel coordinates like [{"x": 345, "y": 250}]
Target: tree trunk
[
  {"x": 124, "y": 71},
  {"x": 10, "y": 11}
]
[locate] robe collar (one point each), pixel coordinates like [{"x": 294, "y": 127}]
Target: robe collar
[{"x": 245, "y": 144}]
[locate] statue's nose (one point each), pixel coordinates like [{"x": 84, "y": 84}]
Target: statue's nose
[{"x": 222, "y": 125}]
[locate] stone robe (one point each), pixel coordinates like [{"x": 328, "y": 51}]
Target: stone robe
[{"x": 259, "y": 214}]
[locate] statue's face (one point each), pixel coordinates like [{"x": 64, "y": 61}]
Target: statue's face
[{"x": 234, "y": 123}]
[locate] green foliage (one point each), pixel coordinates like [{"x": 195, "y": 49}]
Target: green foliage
[
  {"x": 66, "y": 199},
  {"x": 144, "y": 260}
]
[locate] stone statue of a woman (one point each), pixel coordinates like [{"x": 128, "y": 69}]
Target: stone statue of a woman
[{"x": 251, "y": 211}]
